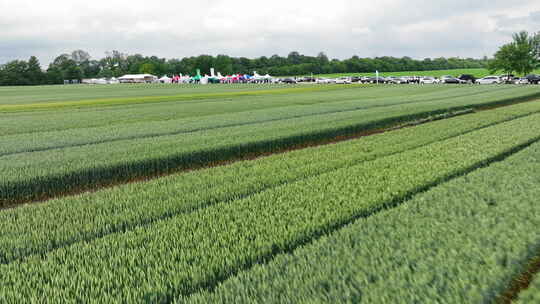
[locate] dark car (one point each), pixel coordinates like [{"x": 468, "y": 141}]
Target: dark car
[
  {"x": 289, "y": 81},
  {"x": 375, "y": 80},
  {"x": 533, "y": 79},
  {"x": 356, "y": 79},
  {"x": 306, "y": 79},
  {"x": 466, "y": 78}
]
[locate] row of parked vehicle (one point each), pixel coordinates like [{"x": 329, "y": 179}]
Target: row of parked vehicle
[{"x": 462, "y": 79}]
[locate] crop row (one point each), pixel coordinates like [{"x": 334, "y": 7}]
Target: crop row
[
  {"x": 282, "y": 110},
  {"x": 460, "y": 242},
  {"x": 38, "y": 175},
  {"x": 40, "y": 228},
  {"x": 219, "y": 109},
  {"x": 180, "y": 255}
]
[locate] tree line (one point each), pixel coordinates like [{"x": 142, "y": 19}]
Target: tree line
[{"x": 79, "y": 64}]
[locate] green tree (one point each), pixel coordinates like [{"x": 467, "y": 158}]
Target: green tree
[
  {"x": 33, "y": 71},
  {"x": 223, "y": 64},
  {"x": 520, "y": 56},
  {"x": 14, "y": 73},
  {"x": 147, "y": 68},
  {"x": 68, "y": 68}
]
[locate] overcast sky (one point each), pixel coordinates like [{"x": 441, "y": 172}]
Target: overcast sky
[{"x": 340, "y": 28}]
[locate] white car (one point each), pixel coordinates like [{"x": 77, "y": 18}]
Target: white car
[
  {"x": 428, "y": 80},
  {"x": 343, "y": 80},
  {"x": 522, "y": 81},
  {"x": 322, "y": 80},
  {"x": 489, "y": 80}
]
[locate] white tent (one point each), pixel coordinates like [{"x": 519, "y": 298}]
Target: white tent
[
  {"x": 165, "y": 79},
  {"x": 137, "y": 78}
]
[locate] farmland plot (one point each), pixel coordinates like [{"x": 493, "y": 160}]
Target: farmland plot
[
  {"x": 461, "y": 242},
  {"x": 180, "y": 255},
  {"x": 38, "y": 166},
  {"x": 387, "y": 217},
  {"x": 41, "y": 228}
]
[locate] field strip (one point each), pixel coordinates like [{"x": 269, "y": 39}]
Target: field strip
[
  {"x": 189, "y": 252},
  {"x": 456, "y": 243},
  {"x": 37, "y": 188},
  {"x": 89, "y": 93},
  {"x": 194, "y": 130},
  {"x": 16, "y": 145},
  {"x": 517, "y": 290},
  {"x": 247, "y": 180},
  {"x": 369, "y": 100},
  {"x": 279, "y": 91},
  {"x": 155, "y": 99}
]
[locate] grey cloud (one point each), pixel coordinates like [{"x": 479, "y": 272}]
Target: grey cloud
[
  {"x": 508, "y": 25},
  {"x": 341, "y": 28}
]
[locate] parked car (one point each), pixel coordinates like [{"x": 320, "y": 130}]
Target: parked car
[
  {"x": 489, "y": 80},
  {"x": 533, "y": 79},
  {"x": 413, "y": 79},
  {"x": 322, "y": 80},
  {"x": 428, "y": 80},
  {"x": 522, "y": 80},
  {"x": 402, "y": 80},
  {"x": 364, "y": 79},
  {"x": 289, "y": 81},
  {"x": 306, "y": 79},
  {"x": 393, "y": 80},
  {"x": 343, "y": 80},
  {"x": 449, "y": 80},
  {"x": 376, "y": 80},
  {"x": 508, "y": 79},
  {"x": 466, "y": 78},
  {"x": 356, "y": 79}
]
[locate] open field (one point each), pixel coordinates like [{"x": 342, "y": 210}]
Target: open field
[{"x": 252, "y": 194}]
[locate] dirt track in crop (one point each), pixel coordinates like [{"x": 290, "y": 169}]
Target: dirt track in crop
[{"x": 520, "y": 282}]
